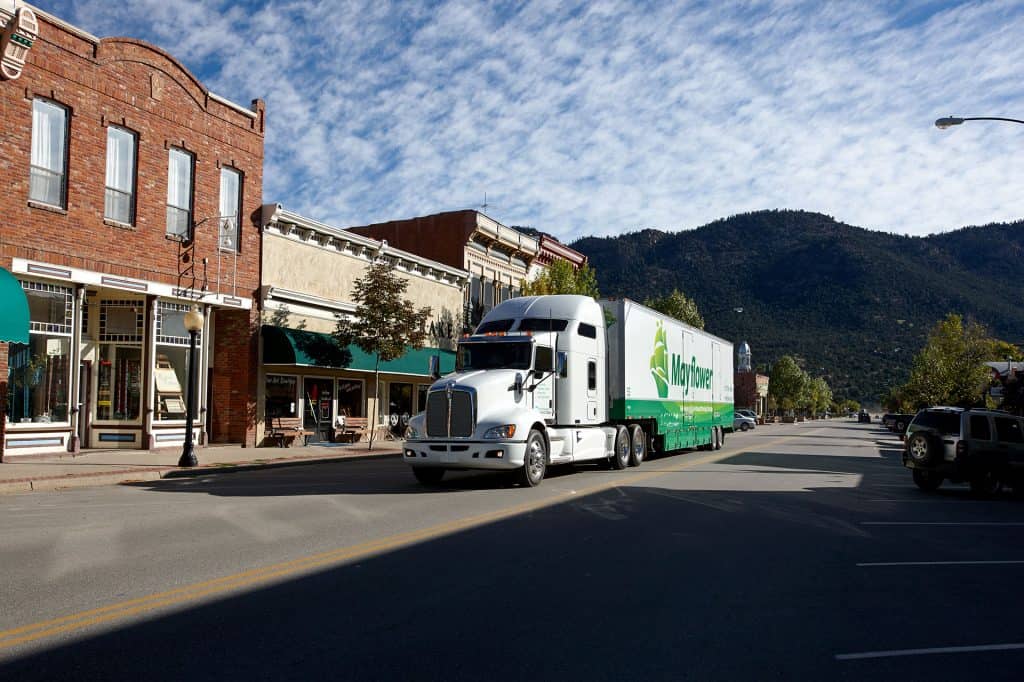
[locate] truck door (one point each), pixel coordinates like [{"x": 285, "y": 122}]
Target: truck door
[{"x": 543, "y": 393}]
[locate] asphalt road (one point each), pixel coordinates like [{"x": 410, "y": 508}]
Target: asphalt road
[{"x": 797, "y": 552}]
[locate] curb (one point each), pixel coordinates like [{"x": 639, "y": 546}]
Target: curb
[{"x": 122, "y": 476}]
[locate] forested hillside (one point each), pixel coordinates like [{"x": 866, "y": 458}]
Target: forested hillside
[{"x": 852, "y": 304}]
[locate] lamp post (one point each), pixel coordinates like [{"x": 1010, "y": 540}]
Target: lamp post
[
  {"x": 193, "y": 323},
  {"x": 950, "y": 121}
]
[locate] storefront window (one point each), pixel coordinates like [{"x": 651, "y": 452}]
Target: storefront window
[
  {"x": 39, "y": 371},
  {"x": 399, "y": 407},
  {"x": 119, "y": 390},
  {"x": 172, "y": 357},
  {"x": 421, "y": 397},
  {"x": 350, "y": 398},
  {"x": 280, "y": 396}
]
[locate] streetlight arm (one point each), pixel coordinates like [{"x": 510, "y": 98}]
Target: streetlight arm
[{"x": 950, "y": 121}]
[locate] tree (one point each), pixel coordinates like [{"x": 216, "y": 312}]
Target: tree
[
  {"x": 678, "y": 305},
  {"x": 786, "y": 383},
  {"x": 562, "y": 278},
  {"x": 385, "y": 324},
  {"x": 950, "y": 369}
]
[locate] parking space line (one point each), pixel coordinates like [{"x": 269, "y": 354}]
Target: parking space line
[
  {"x": 942, "y": 523},
  {"x": 940, "y": 563},
  {"x": 925, "y": 652}
]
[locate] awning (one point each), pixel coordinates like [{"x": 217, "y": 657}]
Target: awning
[
  {"x": 283, "y": 346},
  {"x": 13, "y": 310}
]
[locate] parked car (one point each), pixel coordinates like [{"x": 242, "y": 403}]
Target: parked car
[
  {"x": 863, "y": 417},
  {"x": 747, "y": 413},
  {"x": 887, "y": 419},
  {"x": 742, "y": 422},
  {"x": 985, "y": 448},
  {"x": 899, "y": 424}
]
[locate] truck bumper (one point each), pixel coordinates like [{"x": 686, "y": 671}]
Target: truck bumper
[{"x": 500, "y": 455}]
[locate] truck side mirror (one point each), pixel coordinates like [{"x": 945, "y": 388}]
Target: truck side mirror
[
  {"x": 435, "y": 367},
  {"x": 518, "y": 385},
  {"x": 561, "y": 363}
]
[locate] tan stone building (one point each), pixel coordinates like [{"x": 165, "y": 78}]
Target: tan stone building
[{"x": 308, "y": 272}]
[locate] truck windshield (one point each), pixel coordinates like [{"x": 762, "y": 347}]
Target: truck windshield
[{"x": 494, "y": 355}]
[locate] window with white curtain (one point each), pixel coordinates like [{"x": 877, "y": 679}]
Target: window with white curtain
[
  {"x": 49, "y": 153},
  {"x": 230, "y": 202},
  {"x": 179, "y": 194},
  {"x": 120, "y": 194}
]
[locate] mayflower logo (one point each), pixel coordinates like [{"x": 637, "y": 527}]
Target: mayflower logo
[{"x": 659, "y": 361}]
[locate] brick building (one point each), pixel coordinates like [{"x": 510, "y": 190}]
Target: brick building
[
  {"x": 750, "y": 389},
  {"x": 499, "y": 258},
  {"x": 132, "y": 193}
]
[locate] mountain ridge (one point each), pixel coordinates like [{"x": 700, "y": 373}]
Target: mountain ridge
[{"x": 853, "y": 304}]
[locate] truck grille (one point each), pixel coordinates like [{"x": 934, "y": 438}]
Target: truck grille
[{"x": 462, "y": 414}]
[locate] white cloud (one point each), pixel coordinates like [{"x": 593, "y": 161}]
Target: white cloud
[{"x": 599, "y": 117}]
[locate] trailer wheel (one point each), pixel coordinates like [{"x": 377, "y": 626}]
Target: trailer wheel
[
  {"x": 718, "y": 438},
  {"x": 620, "y": 457},
  {"x": 535, "y": 463},
  {"x": 721, "y": 437},
  {"x": 638, "y": 445}
]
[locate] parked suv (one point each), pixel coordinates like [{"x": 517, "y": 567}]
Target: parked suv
[{"x": 982, "y": 447}]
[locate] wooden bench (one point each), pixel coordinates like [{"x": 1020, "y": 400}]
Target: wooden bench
[
  {"x": 353, "y": 430},
  {"x": 283, "y": 430}
]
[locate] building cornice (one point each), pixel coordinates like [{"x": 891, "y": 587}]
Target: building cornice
[{"x": 280, "y": 221}]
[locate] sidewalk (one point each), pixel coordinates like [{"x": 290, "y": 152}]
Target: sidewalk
[{"x": 110, "y": 467}]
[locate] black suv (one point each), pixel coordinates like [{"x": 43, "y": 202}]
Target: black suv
[{"x": 982, "y": 447}]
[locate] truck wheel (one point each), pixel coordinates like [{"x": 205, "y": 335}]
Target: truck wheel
[
  {"x": 721, "y": 437},
  {"x": 921, "y": 448},
  {"x": 536, "y": 460},
  {"x": 620, "y": 458},
  {"x": 985, "y": 483},
  {"x": 428, "y": 475},
  {"x": 638, "y": 445},
  {"x": 929, "y": 481}
]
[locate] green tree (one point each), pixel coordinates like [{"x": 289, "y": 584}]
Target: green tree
[
  {"x": 950, "y": 369},
  {"x": 562, "y": 278},
  {"x": 678, "y": 305},
  {"x": 385, "y": 323},
  {"x": 786, "y": 383}
]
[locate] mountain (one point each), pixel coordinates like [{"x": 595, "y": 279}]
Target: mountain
[{"x": 851, "y": 304}]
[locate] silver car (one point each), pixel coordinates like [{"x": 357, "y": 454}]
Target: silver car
[{"x": 742, "y": 422}]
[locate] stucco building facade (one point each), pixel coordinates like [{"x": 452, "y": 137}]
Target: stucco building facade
[{"x": 309, "y": 270}]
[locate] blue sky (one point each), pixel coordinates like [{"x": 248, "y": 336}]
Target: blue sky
[{"x": 603, "y": 117}]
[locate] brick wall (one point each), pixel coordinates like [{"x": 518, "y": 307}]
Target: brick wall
[
  {"x": 128, "y": 83},
  {"x": 232, "y": 410}
]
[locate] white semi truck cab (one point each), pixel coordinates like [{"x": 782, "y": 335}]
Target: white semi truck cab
[{"x": 534, "y": 386}]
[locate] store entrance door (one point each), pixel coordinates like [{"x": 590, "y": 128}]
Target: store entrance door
[{"x": 317, "y": 407}]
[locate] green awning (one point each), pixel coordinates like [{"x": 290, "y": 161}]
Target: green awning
[
  {"x": 283, "y": 346},
  {"x": 13, "y": 310}
]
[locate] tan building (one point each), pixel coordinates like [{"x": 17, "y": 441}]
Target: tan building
[
  {"x": 498, "y": 258},
  {"x": 308, "y": 272}
]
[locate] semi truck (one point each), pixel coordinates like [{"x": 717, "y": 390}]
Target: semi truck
[{"x": 561, "y": 379}]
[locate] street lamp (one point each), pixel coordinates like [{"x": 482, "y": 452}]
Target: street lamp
[
  {"x": 950, "y": 121},
  {"x": 193, "y": 323}
]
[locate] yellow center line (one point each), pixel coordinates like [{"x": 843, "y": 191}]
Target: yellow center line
[{"x": 266, "y": 574}]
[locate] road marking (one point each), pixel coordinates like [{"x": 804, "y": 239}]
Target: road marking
[
  {"x": 925, "y": 652},
  {"x": 942, "y": 523},
  {"x": 132, "y": 607},
  {"x": 942, "y": 563}
]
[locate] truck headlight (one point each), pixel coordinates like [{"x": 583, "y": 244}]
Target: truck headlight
[{"x": 501, "y": 432}]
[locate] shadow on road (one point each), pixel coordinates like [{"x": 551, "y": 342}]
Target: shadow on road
[{"x": 637, "y": 582}]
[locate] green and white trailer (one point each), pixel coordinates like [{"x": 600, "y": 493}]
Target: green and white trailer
[
  {"x": 548, "y": 380},
  {"x": 675, "y": 379}
]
